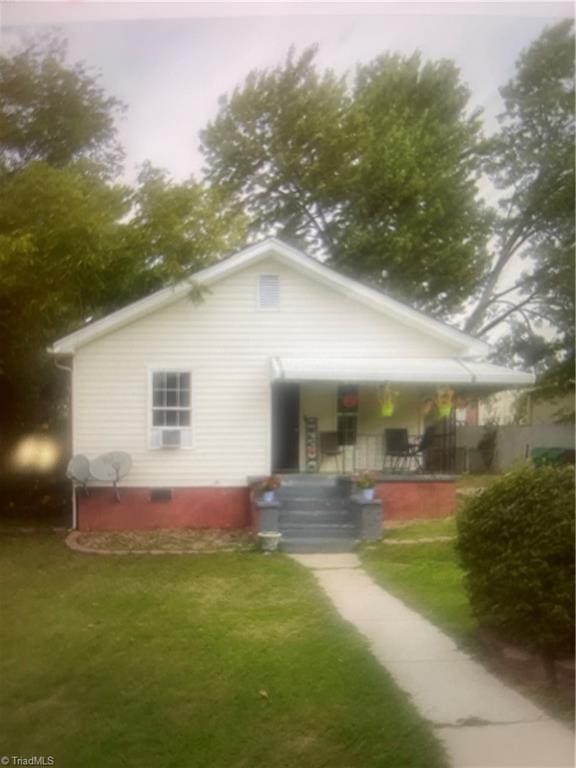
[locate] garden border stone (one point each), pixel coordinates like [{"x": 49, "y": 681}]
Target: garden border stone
[{"x": 72, "y": 542}]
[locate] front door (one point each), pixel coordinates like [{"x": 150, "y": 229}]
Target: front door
[{"x": 285, "y": 426}]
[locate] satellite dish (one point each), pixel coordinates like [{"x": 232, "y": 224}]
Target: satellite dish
[
  {"x": 121, "y": 461},
  {"x": 102, "y": 470},
  {"x": 78, "y": 469},
  {"x": 111, "y": 468}
]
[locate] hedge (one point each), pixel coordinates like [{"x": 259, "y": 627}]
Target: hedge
[{"x": 516, "y": 544}]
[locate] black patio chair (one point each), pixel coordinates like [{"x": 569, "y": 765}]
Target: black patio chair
[
  {"x": 397, "y": 447},
  {"x": 330, "y": 446},
  {"x": 425, "y": 442}
]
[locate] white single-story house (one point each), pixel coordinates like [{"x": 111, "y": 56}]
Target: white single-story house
[{"x": 206, "y": 393}]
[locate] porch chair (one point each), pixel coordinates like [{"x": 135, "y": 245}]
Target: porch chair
[
  {"x": 426, "y": 441},
  {"x": 397, "y": 447},
  {"x": 330, "y": 446}
]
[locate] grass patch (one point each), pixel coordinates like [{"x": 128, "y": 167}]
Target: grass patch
[
  {"x": 225, "y": 660},
  {"x": 425, "y": 529},
  {"x": 469, "y": 480}
]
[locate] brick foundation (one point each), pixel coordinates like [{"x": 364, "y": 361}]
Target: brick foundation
[
  {"x": 415, "y": 500},
  {"x": 188, "y": 508},
  {"x": 231, "y": 507}
]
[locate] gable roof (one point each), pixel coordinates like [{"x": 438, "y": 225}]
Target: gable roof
[{"x": 468, "y": 345}]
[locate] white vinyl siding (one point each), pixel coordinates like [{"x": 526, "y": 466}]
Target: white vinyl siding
[{"x": 227, "y": 343}]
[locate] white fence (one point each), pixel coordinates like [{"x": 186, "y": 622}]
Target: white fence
[{"x": 514, "y": 443}]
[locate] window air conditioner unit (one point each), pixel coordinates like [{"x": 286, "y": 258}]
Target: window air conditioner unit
[{"x": 171, "y": 438}]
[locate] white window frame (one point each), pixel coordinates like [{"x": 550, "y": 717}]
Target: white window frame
[
  {"x": 264, "y": 307},
  {"x": 154, "y": 432}
]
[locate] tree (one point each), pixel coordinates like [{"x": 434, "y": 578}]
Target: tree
[
  {"x": 60, "y": 245},
  {"x": 179, "y": 228},
  {"x": 280, "y": 145},
  {"x": 533, "y": 163},
  {"x": 60, "y": 216},
  {"x": 379, "y": 175},
  {"x": 412, "y": 207},
  {"x": 53, "y": 112}
]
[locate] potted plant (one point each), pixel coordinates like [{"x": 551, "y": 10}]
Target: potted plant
[
  {"x": 269, "y": 540},
  {"x": 365, "y": 483},
  {"x": 268, "y": 487}
]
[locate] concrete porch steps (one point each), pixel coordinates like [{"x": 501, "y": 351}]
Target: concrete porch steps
[
  {"x": 318, "y": 530},
  {"x": 320, "y": 544},
  {"x": 314, "y": 516},
  {"x": 312, "y": 503}
]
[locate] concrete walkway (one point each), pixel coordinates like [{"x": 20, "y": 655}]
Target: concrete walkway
[{"x": 481, "y": 722}]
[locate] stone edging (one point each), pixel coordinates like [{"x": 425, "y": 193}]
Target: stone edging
[{"x": 72, "y": 542}]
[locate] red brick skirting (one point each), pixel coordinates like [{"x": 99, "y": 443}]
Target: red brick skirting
[
  {"x": 416, "y": 500},
  {"x": 188, "y": 508},
  {"x": 230, "y": 507}
]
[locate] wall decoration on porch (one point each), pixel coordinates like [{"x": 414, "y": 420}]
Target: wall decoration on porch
[
  {"x": 348, "y": 398},
  {"x": 311, "y": 443},
  {"x": 387, "y": 397}
]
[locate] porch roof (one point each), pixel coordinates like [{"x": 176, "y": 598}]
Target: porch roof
[{"x": 414, "y": 370}]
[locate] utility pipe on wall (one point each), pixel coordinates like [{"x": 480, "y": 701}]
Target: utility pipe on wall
[{"x": 74, "y": 507}]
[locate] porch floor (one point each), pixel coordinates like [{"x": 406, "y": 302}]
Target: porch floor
[{"x": 381, "y": 476}]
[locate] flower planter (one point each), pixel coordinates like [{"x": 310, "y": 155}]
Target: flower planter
[
  {"x": 269, "y": 540},
  {"x": 268, "y": 496},
  {"x": 268, "y": 516},
  {"x": 367, "y": 494}
]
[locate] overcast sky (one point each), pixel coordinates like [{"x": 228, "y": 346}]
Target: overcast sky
[{"x": 170, "y": 71}]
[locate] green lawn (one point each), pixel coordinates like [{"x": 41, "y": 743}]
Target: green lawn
[
  {"x": 208, "y": 661},
  {"x": 469, "y": 480},
  {"x": 424, "y": 529}
]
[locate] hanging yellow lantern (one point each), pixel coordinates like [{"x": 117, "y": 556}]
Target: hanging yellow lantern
[
  {"x": 444, "y": 397},
  {"x": 387, "y": 398}
]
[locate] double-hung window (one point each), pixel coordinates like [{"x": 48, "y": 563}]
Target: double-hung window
[{"x": 171, "y": 406}]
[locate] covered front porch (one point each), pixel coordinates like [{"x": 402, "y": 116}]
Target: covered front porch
[{"x": 391, "y": 416}]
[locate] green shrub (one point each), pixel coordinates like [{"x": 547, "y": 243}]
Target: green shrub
[{"x": 516, "y": 543}]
